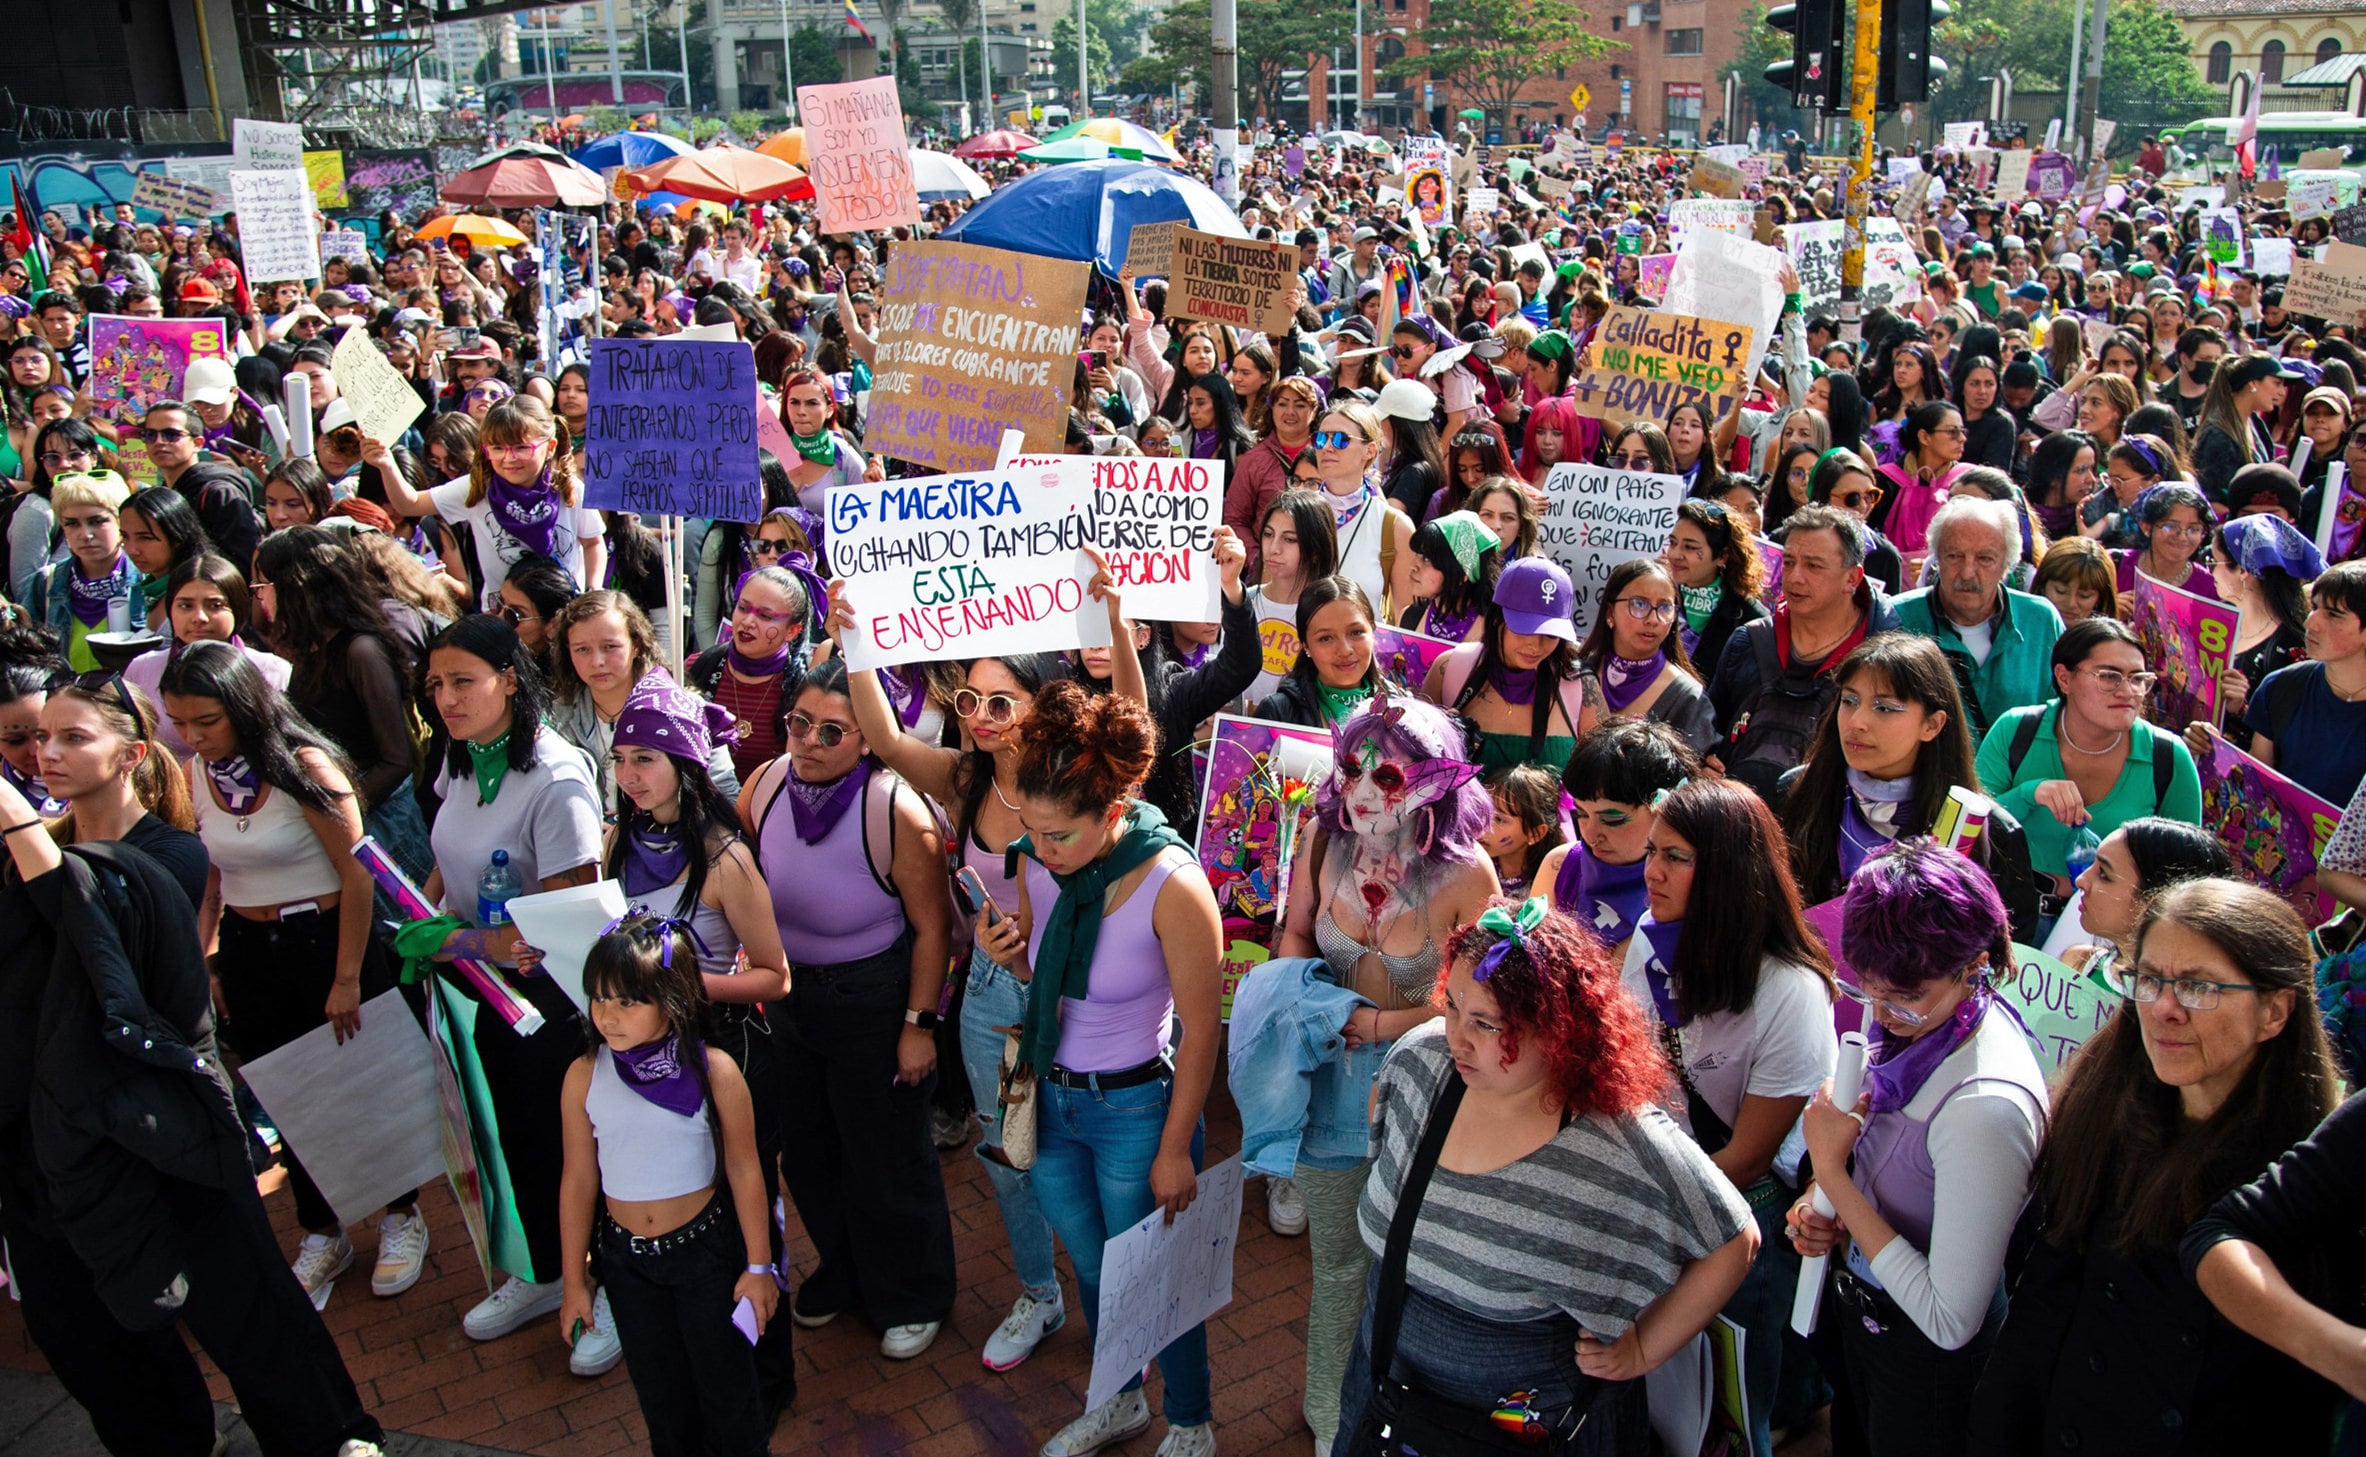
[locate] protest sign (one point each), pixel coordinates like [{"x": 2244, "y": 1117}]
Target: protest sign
[
  {"x": 1150, "y": 249},
  {"x": 401, "y": 180},
  {"x": 1753, "y": 170},
  {"x": 1718, "y": 179},
  {"x": 136, "y": 362},
  {"x": 2274, "y": 829},
  {"x": 1595, "y": 518},
  {"x": 2051, "y": 176},
  {"x": 174, "y": 198},
  {"x": 672, "y": 429},
  {"x": 1160, "y": 1279},
  {"x": 563, "y": 924},
  {"x": 1901, "y": 168},
  {"x": 1294, "y": 161},
  {"x": 857, "y": 157},
  {"x": 2186, "y": 640},
  {"x": 1893, "y": 275},
  {"x": 345, "y": 243},
  {"x": 1256, "y": 799},
  {"x": 1427, "y": 195},
  {"x": 2331, "y": 287},
  {"x": 1707, "y": 214},
  {"x": 1553, "y": 188},
  {"x": 1915, "y": 195},
  {"x": 2222, "y": 234},
  {"x": 471, "y": 1142},
  {"x": 1155, "y": 522},
  {"x": 1403, "y": 655},
  {"x": 972, "y": 340},
  {"x": 1481, "y": 202},
  {"x": 2271, "y": 257},
  {"x": 971, "y": 566},
  {"x": 2012, "y": 174},
  {"x": 1235, "y": 281},
  {"x": 1815, "y": 250},
  {"x": 1719, "y": 276},
  {"x": 266, "y": 146},
  {"x": 1646, "y": 362},
  {"x": 2317, "y": 157},
  {"x": 2349, "y": 224},
  {"x": 2316, "y": 197},
  {"x": 1651, "y": 274},
  {"x": 1962, "y": 136},
  {"x": 275, "y": 225},
  {"x": 361, "y": 1115},
  {"x": 324, "y": 172},
  {"x": 384, "y": 404}
]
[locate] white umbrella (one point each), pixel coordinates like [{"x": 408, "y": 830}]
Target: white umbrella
[{"x": 940, "y": 177}]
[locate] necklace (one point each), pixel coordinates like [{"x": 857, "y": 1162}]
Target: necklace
[
  {"x": 2062, "y": 732},
  {"x": 2350, "y": 697},
  {"x": 998, "y": 794}
]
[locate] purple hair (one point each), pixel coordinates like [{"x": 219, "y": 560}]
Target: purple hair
[
  {"x": 1919, "y": 911},
  {"x": 1425, "y": 736}
]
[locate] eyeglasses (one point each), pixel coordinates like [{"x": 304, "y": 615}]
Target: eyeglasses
[
  {"x": 512, "y": 447},
  {"x": 1867, "y": 498},
  {"x": 828, "y": 735},
  {"x": 1386, "y": 777},
  {"x": 165, "y": 437},
  {"x": 2112, "y": 680},
  {"x": 1642, "y": 463},
  {"x": 516, "y": 616},
  {"x": 53, "y": 459},
  {"x": 2178, "y": 528},
  {"x": 1335, "y": 440},
  {"x": 765, "y": 546},
  {"x": 998, "y": 707},
  {"x": 2192, "y": 993},
  {"x": 1899, "y": 1010},
  {"x": 1951, "y": 432},
  {"x": 1643, "y": 609}
]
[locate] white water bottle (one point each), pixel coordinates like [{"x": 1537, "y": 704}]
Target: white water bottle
[{"x": 1848, "y": 1080}]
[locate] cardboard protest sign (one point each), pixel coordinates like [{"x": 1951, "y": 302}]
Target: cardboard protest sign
[
  {"x": 363, "y": 1112},
  {"x": 1155, "y": 520},
  {"x": 1404, "y": 656},
  {"x": 672, "y": 429},
  {"x": 857, "y": 156},
  {"x": 384, "y": 404},
  {"x": 173, "y": 197},
  {"x": 2274, "y": 829},
  {"x": 2332, "y": 287},
  {"x": 1707, "y": 214},
  {"x": 1596, "y": 518},
  {"x": 275, "y": 225},
  {"x": 266, "y": 146},
  {"x": 136, "y": 362},
  {"x": 1718, "y": 179},
  {"x": 1150, "y": 249},
  {"x": 1915, "y": 195},
  {"x": 1257, "y": 798},
  {"x": 1718, "y": 276},
  {"x": 2012, "y": 174},
  {"x": 1645, "y": 363},
  {"x": 2271, "y": 257},
  {"x": 972, "y": 340},
  {"x": 1553, "y": 188},
  {"x": 1235, "y": 281},
  {"x": 967, "y": 566},
  {"x": 2317, "y": 157},
  {"x": 1815, "y": 250},
  {"x": 2187, "y": 640}
]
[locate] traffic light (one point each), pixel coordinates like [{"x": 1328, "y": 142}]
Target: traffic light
[
  {"x": 1908, "y": 69},
  {"x": 1818, "y": 58}
]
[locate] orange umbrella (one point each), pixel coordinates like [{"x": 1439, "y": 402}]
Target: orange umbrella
[
  {"x": 788, "y": 145},
  {"x": 488, "y": 232},
  {"x": 723, "y": 174}
]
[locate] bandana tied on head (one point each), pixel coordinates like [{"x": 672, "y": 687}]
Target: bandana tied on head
[
  {"x": 1513, "y": 927},
  {"x": 2257, "y": 543},
  {"x": 663, "y": 716},
  {"x": 1468, "y": 538}
]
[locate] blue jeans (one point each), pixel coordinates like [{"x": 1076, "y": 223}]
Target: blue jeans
[
  {"x": 995, "y": 999},
  {"x": 1762, "y": 1308},
  {"x": 1093, "y": 1152}
]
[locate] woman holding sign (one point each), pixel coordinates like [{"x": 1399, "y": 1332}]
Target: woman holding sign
[{"x": 522, "y": 496}]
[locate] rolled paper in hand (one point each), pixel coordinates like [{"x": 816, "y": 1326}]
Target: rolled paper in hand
[
  {"x": 1848, "y": 1081},
  {"x": 296, "y": 398},
  {"x": 1961, "y": 819},
  {"x": 521, "y": 1015}
]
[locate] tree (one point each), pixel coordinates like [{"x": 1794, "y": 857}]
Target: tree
[
  {"x": 2149, "y": 78},
  {"x": 1485, "y": 51},
  {"x": 813, "y": 57},
  {"x": 1276, "y": 37},
  {"x": 910, "y": 87},
  {"x": 664, "y": 54},
  {"x": 1762, "y": 46},
  {"x": 961, "y": 18},
  {"x": 1097, "y": 65}
]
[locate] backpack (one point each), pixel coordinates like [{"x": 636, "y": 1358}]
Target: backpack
[
  {"x": 2164, "y": 759},
  {"x": 1773, "y": 737}
]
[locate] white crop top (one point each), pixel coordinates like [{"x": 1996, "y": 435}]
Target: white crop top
[
  {"x": 646, "y": 1152},
  {"x": 275, "y": 860}
]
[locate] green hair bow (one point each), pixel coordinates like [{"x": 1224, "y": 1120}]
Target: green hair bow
[{"x": 1513, "y": 927}]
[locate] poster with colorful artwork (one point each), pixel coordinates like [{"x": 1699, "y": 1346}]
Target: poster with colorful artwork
[
  {"x": 1405, "y": 656},
  {"x": 2272, "y": 827},
  {"x": 1258, "y": 798},
  {"x": 136, "y": 362},
  {"x": 2187, "y": 640}
]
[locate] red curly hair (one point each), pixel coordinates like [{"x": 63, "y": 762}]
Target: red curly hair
[
  {"x": 1561, "y": 987},
  {"x": 1086, "y": 751}
]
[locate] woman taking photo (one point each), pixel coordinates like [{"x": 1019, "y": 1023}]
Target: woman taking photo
[
  {"x": 2130, "y": 468},
  {"x": 2133, "y": 866},
  {"x": 1520, "y": 684},
  {"x": 1453, "y": 578},
  {"x": 1374, "y": 536},
  {"x": 2174, "y": 521},
  {"x": 1942, "y": 1140},
  {"x": 523, "y": 495},
  {"x": 2262, "y": 567},
  {"x": 2218, "y": 1066},
  {"x": 1297, "y": 546},
  {"x": 1880, "y": 768},
  {"x": 1335, "y": 671},
  {"x": 1536, "y": 1093},
  {"x": 1741, "y": 1002},
  {"x": 205, "y": 600},
  {"x": 2232, "y": 432},
  {"x": 1719, "y": 577},
  {"x": 1636, "y": 658},
  {"x": 857, "y": 874},
  {"x": 1118, "y": 938},
  {"x": 1389, "y": 875}
]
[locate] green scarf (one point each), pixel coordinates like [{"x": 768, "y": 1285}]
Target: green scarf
[
  {"x": 1338, "y": 703},
  {"x": 418, "y": 942},
  {"x": 1699, "y": 602},
  {"x": 820, "y": 447},
  {"x": 491, "y": 762},
  {"x": 1071, "y": 933}
]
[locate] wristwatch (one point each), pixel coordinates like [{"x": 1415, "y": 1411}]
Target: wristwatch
[{"x": 925, "y": 1021}]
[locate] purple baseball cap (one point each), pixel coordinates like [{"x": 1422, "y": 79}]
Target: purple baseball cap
[{"x": 1537, "y": 599}]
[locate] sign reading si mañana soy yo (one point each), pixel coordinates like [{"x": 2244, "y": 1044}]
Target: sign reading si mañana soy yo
[
  {"x": 672, "y": 429},
  {"x": 1596, "y": 518},
  {"x": 1647, "y": 363}
]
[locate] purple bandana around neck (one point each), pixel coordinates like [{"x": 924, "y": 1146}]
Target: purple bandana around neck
[
  {"x": 529, "y": 515},
  {"x": 905, "y": 692},
  {"x": 817, "y": 808},
  {"x": 1896, "y": 1069},
  {"x": 87, "y": 597},
  {"x": 1624, "y": 679},
  {"x": 1515, "y": 688},
  {"x": 35, "y": 792},
  {"x": 1657, "y": 974},
  {"x": 1450, "y": 629},
  {"x": 659, "y": 1072},
  {"x": 1608, "y": 899},
  {"x": 1199, "y": 655},
  {"x": 654, "y": 857},
  {"x": 239, "y": 783},
  {"x": 748, "y": 667}
]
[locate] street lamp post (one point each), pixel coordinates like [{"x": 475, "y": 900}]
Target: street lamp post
[
  {"x": 682, "y": 45},
  {"x": 788, "y": 74}
]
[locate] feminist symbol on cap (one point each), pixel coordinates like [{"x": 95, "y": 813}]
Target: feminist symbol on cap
[{"x": 1544, "y": 589}]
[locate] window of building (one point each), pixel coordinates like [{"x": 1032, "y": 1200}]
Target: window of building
[
  {"x": 2222, "y": 64},
  {"x": 2271, "y": 62},
  {"x": 1684, "y": 100},
  {"x": 1684, "y": 42},
  {"x": 2327, "y": 49},
  {"x": 1616, "y": 22}
]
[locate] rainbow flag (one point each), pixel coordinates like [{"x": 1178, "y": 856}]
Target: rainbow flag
[
  {"x": 2208, "y": 292},
  {"x": 857, "y": 21}
]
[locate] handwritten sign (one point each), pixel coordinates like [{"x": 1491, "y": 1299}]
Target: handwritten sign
[
  {"x": 325, "y": 171},
  {"x": 2222, "y": 234},
  {"x": 1595, "y": 518},
  {"x": 672, "y": 429},
  {"x": 1243, "y": 844},
  {"x": 1719, "y": 276},
  {"x": 2271, "y": 257},
  {"x": 275, "y": 225},
  {"x": 1718, "y": 179},
  {"x": 1815, "y": 250},
  {"x": 1962, "y": 136},
  {"x": 967, "y": 566},
  {"x": 2187, "y": 640},
  {"x": 972, "y": 340},
  {"x": 1480, "y": 202},
  {"x": 2012, "y": 173},
  {"x": 1707, "y": 215},
  {"x": 2272, "y": 827},
  {"x": 384, "y": 404},
  {"x": 1645, "y": 363},
  {"x": 345, "y": 243},
  {"x": 1158, "y": 1280},
  {"x": 857, "y": 156},
  {"x": 267, "y": 146},
  {"x": 1235, "y": 281},
  {"x": 1150, "y": 249},
  {"x": 1155, "y": 522},
  {"x": 174, "y": 198},
  {"x": 2332, "y": 287}
]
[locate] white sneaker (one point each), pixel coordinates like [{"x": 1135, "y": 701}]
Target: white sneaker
[
  {"x": 1121, "y": 1416},
  {"x": 511, "y": 1306},
  {"x": 1285, "y": 1212},
  {"x": 402, "y": 1254},
  {"x": 1029, "y": 1321},
  {"x": 360, "y": 1448},
  {"x": 319, "y": 1261},
  {"x": 903, "y": 1342},
  {"x": 599, "y": 1348},
  {"x": 1197, "y": 1440}
]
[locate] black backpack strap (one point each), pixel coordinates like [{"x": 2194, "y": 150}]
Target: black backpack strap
[
  {"x": 2164, "y": 764},
  {"x": 2024, "y": 734},
  {"x": 1389, "y": 1313}
]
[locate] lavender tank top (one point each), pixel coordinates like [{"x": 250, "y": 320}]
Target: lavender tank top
[
  {"x": 1122, "y": 1022},
  {"x": 1894, "y": 1154},
  {"x": 830, "y": 906}
]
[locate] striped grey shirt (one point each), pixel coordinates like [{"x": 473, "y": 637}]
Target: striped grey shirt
[{"x": 1597, "y": 1223}]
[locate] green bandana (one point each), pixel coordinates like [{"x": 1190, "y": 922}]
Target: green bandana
[
  {"x": 1338, "y": 703},
  {"x": 1468, "y": 538},
  {"x": 418, "y": 942},
  {"x": 820, "y": 447},
  {"x": 1699, "y": 602},
  {"x": 491, "y": 762},
  {"x": 1072, "y": 931},
  {"x": 1551, "y": 344}
]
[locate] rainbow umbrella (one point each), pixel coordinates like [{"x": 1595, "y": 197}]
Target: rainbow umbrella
[{"x": 1130, "y": 140}]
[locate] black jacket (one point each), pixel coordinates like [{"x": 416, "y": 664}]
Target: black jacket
[
  {"x": 1732, "y": 610},
  {"x": 1293, "y": 701},
  {"x": 220, "y": 494},
  {"x": 128, "y": 1092}
]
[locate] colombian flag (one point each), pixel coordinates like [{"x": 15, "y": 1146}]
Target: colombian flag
[{"x": 857, "y": 21}]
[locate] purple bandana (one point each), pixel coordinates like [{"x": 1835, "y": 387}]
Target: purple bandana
[
  {"x": 1624, "y": 679},
  {"x": 817, "y": 808},
  {"x": 1606, "y": 899},
  {"x": 654, "y": 856},
  {"x": 1451, "y": 629},
  {"x": 87, "y": 598},
  {"x": 35, "y": 792},
  {"x": 237, "y": 781},
  {"x": 1896, "y": 1069},
  {"x": 1199, "y": 655},
  {"x": 662, "y": 716},
  {"x": 1517, "y": 689},
  {"x": 528, "y": 515},
  {"x": 1656, "y": 975},
  {"x": 658, "y": 1072},
  {"x": 905, "y": 692}
]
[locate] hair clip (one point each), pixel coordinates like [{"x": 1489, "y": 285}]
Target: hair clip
[{"x": 1660, "y": 796}]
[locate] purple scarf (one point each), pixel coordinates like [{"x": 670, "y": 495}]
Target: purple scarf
[
  {"x": 1451, "y": 629},
  {"x": 1864, "y": 834},
  {"x": 904, "y": 692},
  {"x": 35, "y": 792},
  {"x": 659, "y": 1072},
  {"x": 1656, "y": 975},
  {"x": 748, "y": 667},
  {"x": 87, "y": 598},
  {"x": 1624, "y": 679},
  {"x": 1514, "y": 688},
  {"x": 238, "y": 782},
  {"x": 1896, "y": 1069},
  {"x": 1198, "y": 655},
  {"x": 528, "y": 515},
  {"x": 654, "y": 857},
  {"x": 1606, "y": 899},
  {"x": 817, "y": 808}
]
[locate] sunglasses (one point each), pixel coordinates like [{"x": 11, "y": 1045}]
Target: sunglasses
[
  {"x": 998, "y": 707},
  {"x": 1400, "y": 351},
  {"x": 1637, "y": 463},
  {"x": 828, "y": 735},
  {"x": 165, "y": 437},
  {"x": 762, "y": 546},
  {"x": 516, "y": 616},
  {"x": 1866, "y": 496},
  {"x": 53, "y": 459},
  {"x": 1335, "y": 439},
  {"x": 1386, "y": 777}
]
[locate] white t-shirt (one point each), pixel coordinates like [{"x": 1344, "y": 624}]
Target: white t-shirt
[
  {"x": 1782, "y": 1047},
  {"x": 496, "y": 548},
  {"x": 547, "y": 818}
]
